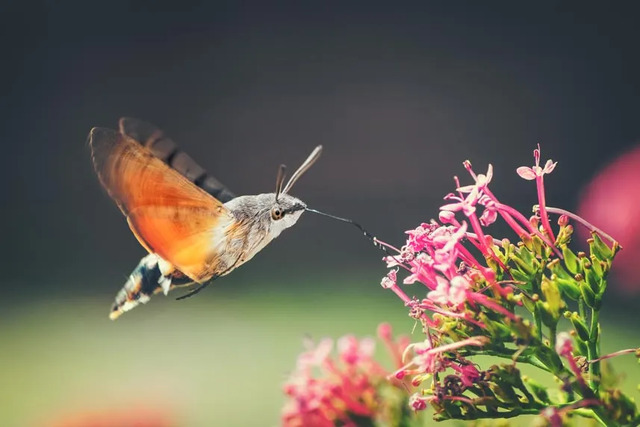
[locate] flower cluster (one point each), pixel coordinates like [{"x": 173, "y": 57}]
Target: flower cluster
[
  {"x": 346, "y": 390},
  {"x": 477, "y": 295},
  {"x": 488, "y": 296}
]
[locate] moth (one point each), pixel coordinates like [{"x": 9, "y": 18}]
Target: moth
[{"x": 193, "y": 227}]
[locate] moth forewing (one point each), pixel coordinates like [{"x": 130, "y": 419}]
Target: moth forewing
[{"x": 168, "y": 214}]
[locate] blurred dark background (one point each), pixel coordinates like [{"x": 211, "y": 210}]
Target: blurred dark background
[{"x": 399, "y": 95}]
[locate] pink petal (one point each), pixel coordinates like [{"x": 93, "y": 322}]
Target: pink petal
[
  {"x": 452, "y": 207},
  {"x": 446, "y": 217},
  {"x": 466, "y": 188},
  {"x": 489, "y": 173},
  {"x": 392, "y": 261},
  {"x": 460, "y": 282},
  {"x": 488, "y": 217},
  {"x": 410, "y": 279},
  {"x": 526, "y": 173},
  {"x": 564, "y": 344},
  {"x": 549, "y": 166}
]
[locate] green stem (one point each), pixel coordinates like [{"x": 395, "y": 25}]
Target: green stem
[
  {"x": 584, "y": 412},
  {"x": 497, "y": 414},
  {"x": 538, "y": 321},
  {"x": 553, "y": 331},
  {"x": 581, "y": 310},
  {"x": 593, "y": 353},
  {"x": 533, "y": 361},
  {"x": 590, "y": 413}
]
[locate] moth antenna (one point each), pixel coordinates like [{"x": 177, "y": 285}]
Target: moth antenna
[
  {"x": 315, "y": 154},
  {"x": 282, "y": 173}
]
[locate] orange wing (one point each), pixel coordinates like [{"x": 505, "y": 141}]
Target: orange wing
[{"x": 168, "y": 214}]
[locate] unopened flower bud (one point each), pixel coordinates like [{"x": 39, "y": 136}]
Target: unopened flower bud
[
  {"x": 534, "y": 221},
  {"x": 570, "y": 259},
  {"x": 592, "y": 278},
  {"x": 567, "y": 287},
  {"x": 564, "y": 235},
  {"x": 580, "y": 326},
  {"x": 557, "y": 269},
  {"x": 446, "y": 217},
  {"x": 596, "y": 265},
  {"x": 599, "y": 248},
  {"x": 588, "y": 295},
  {"x": 519, "y": 259},
  {"x": 552, "y": 298},
  {"x": 563, "y": 220},
  {"x": 385, "y": 332},
  {"x": 417, "y": 403},
  {"x": 400, "y": 374}
]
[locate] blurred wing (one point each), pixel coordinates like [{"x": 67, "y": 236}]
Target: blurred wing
[
  {"x": 166, "y": 150},
  {"x": 168, "y": 214}
]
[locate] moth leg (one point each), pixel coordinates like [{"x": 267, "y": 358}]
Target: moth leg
[
  {"x": 205, "y": 284},
  {"x": 200, "y": 287}
]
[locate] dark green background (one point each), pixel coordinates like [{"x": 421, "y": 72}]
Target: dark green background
[{"x": 398, "y": 95}]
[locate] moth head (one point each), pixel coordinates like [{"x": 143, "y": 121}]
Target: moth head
[
  {"x": 286, "y": 209},
  {"x": 285, "y": 212}
]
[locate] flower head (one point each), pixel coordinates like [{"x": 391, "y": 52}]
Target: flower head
[
  {"x": 342, "y": 390},
  {"x": 564, "y": 344},
  {"x": 531, "y": 173},
  {"x": 450, "y": 292}
]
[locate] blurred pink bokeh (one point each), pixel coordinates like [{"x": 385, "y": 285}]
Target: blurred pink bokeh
[{"x": 611, "y": 201}]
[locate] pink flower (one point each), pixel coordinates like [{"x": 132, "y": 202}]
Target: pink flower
[
  {"x": 417, "y": 402},
  {"x": 353, "y": 351},
  {"x": 537, "y": 173},
  {"x": 553, "y": 415},
  {"x": 531, "y": 173},
  {"x": 339, "y": 390},
  {"x": 467, "y": 205},
  {"x": 315, "y": 354},
  {"x": 390, "y": 279},
  {"x": 424, "y": 360},
  {"x": 490, "y": 213},
  {"x": 429, "y": 360},
  {"x": 469, "y": 374},
  {"x": 392, "y": 261},
  {"x": 447, "y": 238},
  {"x": 482, "y": 181},
  {"x": 418, "y": 237},
  {"x": 421, "y": 271},
  {"x": 564, "y": 345},
  {"x": 447, "y": 217},
  {"x": 453, "y": 292}
]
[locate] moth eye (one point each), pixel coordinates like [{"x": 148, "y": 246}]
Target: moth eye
[{"x": 276, "y": 214}]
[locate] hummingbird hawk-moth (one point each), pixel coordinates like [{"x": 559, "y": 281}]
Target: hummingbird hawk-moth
[{"x": 193, "y": 227}]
